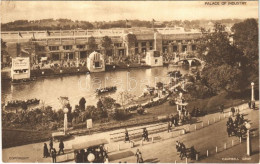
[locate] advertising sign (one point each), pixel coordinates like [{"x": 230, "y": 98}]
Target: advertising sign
[
  {"x": 89, "y": 123},
  {"x": 20, "y": 63}
]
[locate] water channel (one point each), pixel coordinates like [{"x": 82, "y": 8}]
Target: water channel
[{"x": 74, "y": 87}]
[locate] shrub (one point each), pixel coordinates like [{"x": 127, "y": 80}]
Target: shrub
[{"x": 121, "y": 114}]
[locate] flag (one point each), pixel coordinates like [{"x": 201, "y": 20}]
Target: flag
[
  {"x": 33, "y": 36},
  {"x": 48, "y": 32},
  {"x": 127, "y": 23},
  {"x": 20, "y": 35}
]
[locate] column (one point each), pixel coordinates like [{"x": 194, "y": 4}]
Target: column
[
  {"x": 252, "y": 92},
  {"x": 248, "y": 143},
  {"x": 139, "y": 47},
  {"x": 65, "y": 120}
]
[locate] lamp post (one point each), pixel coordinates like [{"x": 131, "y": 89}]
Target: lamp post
[
  {"x": 252, "y": 93},
  {"x": 248, "y": 140},
  {"x": 65, "y": 110}
]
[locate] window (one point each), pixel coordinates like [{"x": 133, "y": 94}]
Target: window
[
  {"x": 81, "y": 46},
  {"x": 82, "y": 54},
  {"x": 156, "y": 61},
  {"x": 156, "y": 54},
  {"x": 97, "y": 64},
  {"x": 165, "y": 49},
  {"x": 41, "y": 48},
  {"x": 54, "y": 48},
  {"x": 144, "y": 50},
  {"x": 67, "y": 47},
  {"x": 151, "y": 45},
  {"x": 118, "y": 44},
  {"x": 193, "y": 47},
  {"x": 136, "y": 50},
  {"x": 143, "y": 44},
  {"x": 56, "y": 56},
  {"x": 184, "y": 48},
  {"x": 174, "y": 48},
  {"x": 136, "y": 44},
  {"x": 69, "y": 56}
]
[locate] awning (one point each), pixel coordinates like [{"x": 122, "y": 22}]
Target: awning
[
  {"x": 44, "y": 58},
  {"x": 87, "y": 144}
]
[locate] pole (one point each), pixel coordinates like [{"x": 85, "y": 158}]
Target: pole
[
  {"x": 65, "y": 123},
  {"x": 248, "y": 144},
  {"x": 216, "y": 149}
]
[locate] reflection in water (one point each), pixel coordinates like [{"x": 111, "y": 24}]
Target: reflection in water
[{"x": 75, "y": 87}]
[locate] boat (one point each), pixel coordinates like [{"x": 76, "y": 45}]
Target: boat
[
  {"x": 175, "y": 73},
  {"x": 18, "y": 103},
  {"x": 20, "y": 81},
  {"x": 106, "y": 90}
]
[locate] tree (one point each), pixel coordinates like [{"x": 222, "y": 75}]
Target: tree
[
  {"x": 224, "y": 77},
  {"x": 246, "y": 40},
  {"x": 222, "y": 70},
  {"x": 92, "y": 46},
  {"x": 106, "y": 43},
  {"x": 217, "y": 49},
  {"x": 82, "y": 103},
  {"x": 124, "y": 98}
]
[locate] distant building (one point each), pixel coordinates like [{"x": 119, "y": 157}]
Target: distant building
[
  {"x": 72, "y": 45},
  {"x": 153, "y": 58},
  {"x": 95, "y": 62},
  {"x": 20, "y": 68}
]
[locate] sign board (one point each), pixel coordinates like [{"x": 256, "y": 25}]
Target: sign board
[
  {"x": 20, "y": 63},
  {"x": 89, "y": 123}
]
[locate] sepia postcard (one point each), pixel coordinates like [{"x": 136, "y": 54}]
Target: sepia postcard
[{"x": 130, "y": 81}]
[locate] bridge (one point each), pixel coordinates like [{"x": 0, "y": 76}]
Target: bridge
[{"x": 190, "y": 60}]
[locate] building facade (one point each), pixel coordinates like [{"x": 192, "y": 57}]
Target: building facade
[{"x": 72, "y": 45}]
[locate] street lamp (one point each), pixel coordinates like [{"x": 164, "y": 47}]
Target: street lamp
[
  {"x": 65, "y": 110},
  {"x": 248, "y": 140},
  {"x": 252, "y": 93}
]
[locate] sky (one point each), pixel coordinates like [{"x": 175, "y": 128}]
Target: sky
[{"x": 121, "y": 10}]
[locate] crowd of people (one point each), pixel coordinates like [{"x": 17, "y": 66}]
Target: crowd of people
[
  {"x": 196, "y": 112},
  {"x": 236, "y": 127},
  {"x": 51, "y": 152},
  {"x": 18, "y": 103},
  {"x": 183, "y": 151},
  {"x": 98, "y": 155},
  {"x": 181, "y": 148},
  {"x": 106, "y": 89},
  {"x": 251, "y": 105}
]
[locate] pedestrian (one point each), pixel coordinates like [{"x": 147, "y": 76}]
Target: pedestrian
[
  {"x": 126, "y": 136},
  {"x": 249, "y": 104},
  {"x": 76, "y": 156},
  {"x": 253, "y": 105},
  {"x": 61, "y": 146},
  {"x": 51, "y": 144},
  {"x": 45, "y": 151},
  {"x": 183, "y": 151},
  {"x": 177, "y": 146},
  {"x": 146, "y": 135},
  {"x": 139, "y": 158},
  {"x": 222, "y": 108},
  {"x": 233, "y": 111},
  {"x": 169, "y": 126},
  {"x": 53, "y": 155},
  {"x": 193, "y": 153}
]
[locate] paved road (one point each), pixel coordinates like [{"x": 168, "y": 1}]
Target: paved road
[
  {"x": 163, "y": 151},
  {"x": 204, "y": 139}
]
